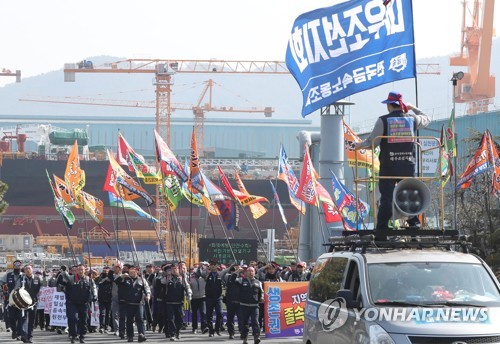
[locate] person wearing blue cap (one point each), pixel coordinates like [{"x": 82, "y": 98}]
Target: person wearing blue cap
[{"x": 397, "y": 154}]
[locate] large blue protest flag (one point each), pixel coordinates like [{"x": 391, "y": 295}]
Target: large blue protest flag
[{"x": 341, "y": 50}]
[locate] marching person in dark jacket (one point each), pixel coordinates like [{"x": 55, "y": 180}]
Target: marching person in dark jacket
[
  {"x": 232, "y": 298},
  {"x": 213, "y": 293},
  {"x": 104, "y": 286},
  {"x": 80, "y": 290},
  {"x": 11, "y": 279},
  {"x": 176, "y": 288},
  {"x": 159, "y": 299},
  {"x": 134, "y": 291},
  {"x": 26, "y": 318},
  {"x": 251, "y": 294}
]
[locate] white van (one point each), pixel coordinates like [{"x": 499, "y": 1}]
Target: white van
[{"x": 418, "y": 291}]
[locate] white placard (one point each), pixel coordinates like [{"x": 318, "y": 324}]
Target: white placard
[
  {"x": 94, "y": 314},
  {"x": 58, "y": 310},
  {"x": 46, "y": 295},
  {"x": 430, "y": 158}
]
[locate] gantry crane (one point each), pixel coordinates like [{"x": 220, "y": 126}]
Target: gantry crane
[
  {"x": 202, "y": 106},
  {"x": 8, "y": 72},
  {"x": 163, "y": 70},
  {"x": 477, "y": 87}
]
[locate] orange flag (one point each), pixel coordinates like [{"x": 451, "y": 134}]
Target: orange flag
[{"x": 74, "y": 175}]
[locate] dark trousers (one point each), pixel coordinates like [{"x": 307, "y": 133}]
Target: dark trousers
[
  {"x": 232, "y": 310},
  {"x": 77, "y": 319},
  {"x": 134, "y": 313},
  {"x": 104, "y": 314},
  {"x": 386, "y": 188},
  {"x": 122, "y": 318},
  {"x": 245, "y": 313},
  {"x": 159, "y": 314},
  {"x": 214, "y": 304},
  {"x": 199, "y": 305},
  {"x": 6, "y": 317},
  {"x": 25, "y": 321},
  {"x": 41, "y": 319},
  {"x": 173, "y": 318}
]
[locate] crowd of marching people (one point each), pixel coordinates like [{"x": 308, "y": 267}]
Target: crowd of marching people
[{"x": 156, "y": 299}]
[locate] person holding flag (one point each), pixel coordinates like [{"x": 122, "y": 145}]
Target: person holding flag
[{"x": 397, "y": 154}]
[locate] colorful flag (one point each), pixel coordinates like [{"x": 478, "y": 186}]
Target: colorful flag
[
  {"x": 495, "y": 162},
  {"x": 126, "y": 182},
  {"x": 307, "y": 187},
  {"x": 225, "y": 206},
  {"x": 65, "y": 192},
  {"x": 92, "y": 206},
  {"x": 278, "y": 203},
  {"x": 364, "y": 157},
  {"x": 167, "y": 158},
  {"x": 74, "y": 175},
  {"x": 126, "y": 155},
  {"x": 445, "y": 166},
  {"x": 253, "y": 202},
  {"x": 195, "y": 181},
  {"x": 196, "y": 199},
  {"x": 478, "y": 164},
  {"x": 286, "y": 174},
  {"x": 337, "y": 51},
  {"x": 172, "y": 191},
  {"x": 331, "y": 213},
  {"x": 115, "y": 201},
  {"x": 62, "y": 208},
  {"x": 345, "y": 202},
  {"x": 451, "y": 135}
]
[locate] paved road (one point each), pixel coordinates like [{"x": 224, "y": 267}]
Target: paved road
[{"x": 97, "y": 338}]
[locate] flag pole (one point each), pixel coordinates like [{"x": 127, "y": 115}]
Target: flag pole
[{"x": 87, "y": 235}]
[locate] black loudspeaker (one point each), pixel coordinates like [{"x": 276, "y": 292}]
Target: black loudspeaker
[{"x": 411, "y": 198}]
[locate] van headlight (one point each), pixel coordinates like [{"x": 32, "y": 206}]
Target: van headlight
[{"x": 379, "y": 336}]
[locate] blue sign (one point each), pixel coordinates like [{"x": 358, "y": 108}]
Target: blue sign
[{"x": 337, "y": 51}]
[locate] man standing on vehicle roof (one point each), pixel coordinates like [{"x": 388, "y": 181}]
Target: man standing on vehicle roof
[{"x": 397, "y": 155}]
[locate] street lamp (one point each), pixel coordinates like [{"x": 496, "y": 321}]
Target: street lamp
[{"x": 454, "y": 79}]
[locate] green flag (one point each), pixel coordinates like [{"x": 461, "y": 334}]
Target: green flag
[
  {"x": 172, "y": 191},
  {"x": 451, "y": 135}
]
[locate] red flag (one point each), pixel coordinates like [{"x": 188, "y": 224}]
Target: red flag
[
  {"x": 307, "y": 187},
  {"x": 477, "y": 165},
  {"x": 329, "y": 208}
]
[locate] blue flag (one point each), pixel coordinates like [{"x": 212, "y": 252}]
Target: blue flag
[
  {"x": 337, "y": 51},
  {"x": 345, "y": 201}
]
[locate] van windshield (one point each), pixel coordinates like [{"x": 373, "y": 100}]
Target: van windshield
[{"x": 431, "y": 283}]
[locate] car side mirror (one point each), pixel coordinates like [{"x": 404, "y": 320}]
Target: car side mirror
[{"x": 347, "y": 295}]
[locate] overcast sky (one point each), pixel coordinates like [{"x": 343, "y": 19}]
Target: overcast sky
[{"x": 40, "y": 36}]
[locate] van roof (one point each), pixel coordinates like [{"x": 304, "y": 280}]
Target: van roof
[{"x": 430, "y": 255}]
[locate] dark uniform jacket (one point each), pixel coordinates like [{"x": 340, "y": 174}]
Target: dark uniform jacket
[
  {"x": 251, "y": 291},
  {"x": 132, "y": 290},
  {"x": 78, "y": 290},
  {"x": 104, "y": 285},
  {"x": 213, "y": 288},
  {"x": 32, "y": 285},
  {"x": 175, "y": 289}
]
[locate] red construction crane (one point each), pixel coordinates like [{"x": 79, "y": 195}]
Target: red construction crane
[
  {"x": 163, "y": 69},
  {"x": 203, "y": 105},
  {"x": 477, "y": 87}
]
